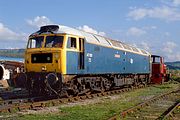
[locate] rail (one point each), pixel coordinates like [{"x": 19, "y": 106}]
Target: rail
[
  {"x": 143, "y": 104},
  {"x": 169, "y": 111},
  {"x": 15, "y": 105}
]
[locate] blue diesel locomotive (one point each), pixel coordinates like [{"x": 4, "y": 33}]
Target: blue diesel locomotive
[{"x": 66, "y": 61}]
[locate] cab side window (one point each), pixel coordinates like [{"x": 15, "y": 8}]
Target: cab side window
[{"x": 72, "y": 43}]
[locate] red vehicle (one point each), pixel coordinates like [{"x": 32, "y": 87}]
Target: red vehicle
[{"x": 159, "y": 70}]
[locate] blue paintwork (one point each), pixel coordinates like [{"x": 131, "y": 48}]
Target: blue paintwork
[
  {"x": 72, "y": 63},
  {"x": 103, "y": 61}
]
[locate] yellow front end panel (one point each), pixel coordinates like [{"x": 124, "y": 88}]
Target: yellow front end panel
[{"x": 55, "y": 66}]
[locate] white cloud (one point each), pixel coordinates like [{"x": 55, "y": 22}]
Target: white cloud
[
  {"x": 164, "y": 13},
  {"x": 134, "y": 31},
  {"x": 153, "y": 27},
  {"x": 150, "y": 27},
  {"x": 176, "y": 2},
  {"x": 8, "y": 34},
  {"x": 39, "y": 21},
  {"x": 137, "y": 14},
  {"x": 145, "y": 46},
  {"x": 177, "y": 57},
  {"x": 167, "y": 33},
  {"x": 169, "y": 47},
  {"x": 173, "y": 57},
  {"x": 91, "y": 30},
  {"x": 171, "y": 51}
]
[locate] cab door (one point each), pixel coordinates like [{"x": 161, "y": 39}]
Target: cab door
[{"x": 81, "y": 54}]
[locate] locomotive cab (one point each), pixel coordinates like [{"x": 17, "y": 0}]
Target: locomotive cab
[
  {"x": 46, "y": 58},
  {"x": 43, "y": 53},
  {"x": 159, "y": 70}
]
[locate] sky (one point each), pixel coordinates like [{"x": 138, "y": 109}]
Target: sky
[{"x": 153, "y": 25}]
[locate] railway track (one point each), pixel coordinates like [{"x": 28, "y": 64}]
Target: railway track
[
  {"x": 170, "y": 112},
  {"x": 158, "y": 107},
  {"x": 32, "y": 103}
]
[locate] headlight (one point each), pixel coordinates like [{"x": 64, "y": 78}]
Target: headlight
[
  {"x": 48, "y": 58},
  {"x": 34, "y": 58}
]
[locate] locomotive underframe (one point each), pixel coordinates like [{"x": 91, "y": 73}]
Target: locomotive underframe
[{"x": 65, "y": 85}]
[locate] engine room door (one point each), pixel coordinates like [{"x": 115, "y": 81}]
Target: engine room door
[{"x": 81, "y": 54}]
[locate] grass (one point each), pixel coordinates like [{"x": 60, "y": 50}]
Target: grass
[
  {"x": 175, "y": 75},
  {"x": 104, "y": 108}
]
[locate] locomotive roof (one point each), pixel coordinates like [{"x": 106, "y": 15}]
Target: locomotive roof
[{"x": 92, "y": 38}]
